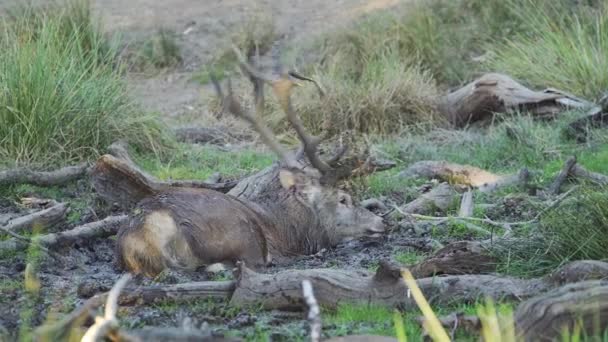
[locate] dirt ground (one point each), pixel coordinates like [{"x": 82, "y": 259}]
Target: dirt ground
[{"x": 201, "y": 27}]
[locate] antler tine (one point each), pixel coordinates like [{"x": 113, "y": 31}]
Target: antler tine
[
  {"x": 233, "y": 106},
  {"x": 282, "y": 88}
]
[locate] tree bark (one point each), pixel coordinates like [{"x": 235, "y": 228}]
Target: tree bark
[
  {"x": 42, "y": 178},
  {"x": 498, "y": 93},
  {"x": 185, "y": 291},
  {"x": 543, "y": 318}
]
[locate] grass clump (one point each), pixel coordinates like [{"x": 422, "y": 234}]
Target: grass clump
[
  {"x": 62, "y": 97},
  {"x": 200, "y": 162},
  {"x": 563, "y": 49},
  {"x": 386, "y": 95},
  {"x": 578, "y": 228},
  {"x": 160, "y": 51}
]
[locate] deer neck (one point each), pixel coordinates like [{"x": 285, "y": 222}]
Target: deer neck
[{"x": 293, "y": 228}]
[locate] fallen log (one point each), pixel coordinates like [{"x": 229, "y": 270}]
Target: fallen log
[
  {"x": 42, "y": 178},
  {"x": 583, "y": 304},
  {"x": 119, "y": 181},
  {"x": 332, "y": 287},
  {"x": 497, "y": 93},
  {"x": 439, "y": 199},
  {"x": 43, "y": 218},
  {"x": 99, "y": 229},
  {"x": 186, "y": 291},
  {"x": 466, "y": 175}
]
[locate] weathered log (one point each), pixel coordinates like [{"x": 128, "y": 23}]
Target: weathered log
[
  {"x": 119, "y": 181},
  {"x": 466, "y": 175},
  {"x": 463, "y": 257},
  {"x": 438, "y": 199},
  {"x": 282, "y": 290},
  {"x": 185, "y": 291},
  {"x": 579, "y": 271},
  {"x": 43, "y": 218},
  {"x": 579, "y": 171},
  {"x": 496, "y": 93},
  {"x": 562, "y": 176},
  {"x": 42, "y": 178},
  {"x": 99, "y": 229},
  {"x": 545, "y": 317},
  {"x": 450, "y": 172}
]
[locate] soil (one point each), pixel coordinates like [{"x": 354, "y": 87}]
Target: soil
[{"x": 201, "y": 27}]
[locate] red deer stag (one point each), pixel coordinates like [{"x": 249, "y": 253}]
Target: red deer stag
[{"x": 291, "y": 208}]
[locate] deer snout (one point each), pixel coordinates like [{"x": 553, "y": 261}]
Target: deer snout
[{"x": 376, "y": 226}]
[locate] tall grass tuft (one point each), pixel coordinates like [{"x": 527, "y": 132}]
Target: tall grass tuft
[
  {"x": 61, "y": 93},
  {"x": 578, "y": 228},
  {"x": 386, "y": 95},
  {"x": 562, "y": 49}
]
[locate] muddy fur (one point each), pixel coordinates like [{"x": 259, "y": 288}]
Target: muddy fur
[{"x": 192, "y": 228}]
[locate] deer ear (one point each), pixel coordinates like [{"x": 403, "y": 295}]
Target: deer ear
[{"x": 288, "y": 179}]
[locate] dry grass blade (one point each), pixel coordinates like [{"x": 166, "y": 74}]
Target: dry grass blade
[
  {"x": 104, "y": 325},
  {"x": 314, "y": 313},
  {"x": 434, "y": 326}
]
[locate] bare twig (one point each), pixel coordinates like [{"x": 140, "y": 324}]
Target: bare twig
[
  {"x": 106, "y": 324},
  {"x": 505, "y": 225},
  {"x": 314, "y": 313}
]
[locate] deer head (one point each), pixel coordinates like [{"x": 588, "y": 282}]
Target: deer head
[{"x": 304, "y": 174}]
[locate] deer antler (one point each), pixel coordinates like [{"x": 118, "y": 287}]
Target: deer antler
[
  {"x": 282, "y": 87},
  {"x": 233, "y": 106}
]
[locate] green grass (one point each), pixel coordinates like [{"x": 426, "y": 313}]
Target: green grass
[
  {"x": 408, "y": 257},
  {"x": 578, "y": 228},
  {"x": 200, "y": 162},
  {"x": 567, "y": 50},
  {"x": 64, "y": 98}
]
